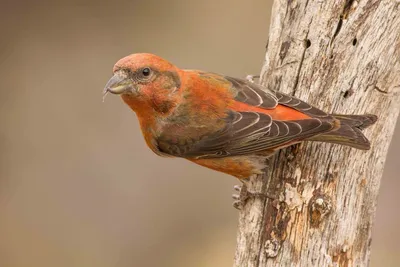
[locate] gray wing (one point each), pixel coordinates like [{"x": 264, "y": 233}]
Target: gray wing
[
  {"x": 259, "y": 96},
  {"x": 245, "y": 133},
  {"x": 252, "y": 94}
]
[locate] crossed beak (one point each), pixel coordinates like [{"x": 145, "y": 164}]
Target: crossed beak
[{"x": 118, "y": 84}]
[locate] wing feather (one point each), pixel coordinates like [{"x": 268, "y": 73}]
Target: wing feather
[
  {"x": 252, "y": 94},
  {"x": 246, "y": 133},
  {"x": 260, "y": 96}
]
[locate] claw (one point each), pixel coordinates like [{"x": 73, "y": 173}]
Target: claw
[
  {"x": 237, "y": 205},
  {"x": 240, "y": 199},
  {"x": 251, "y": 78}
]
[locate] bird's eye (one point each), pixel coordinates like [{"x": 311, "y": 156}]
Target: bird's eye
[{"x": 146, "y": 72}]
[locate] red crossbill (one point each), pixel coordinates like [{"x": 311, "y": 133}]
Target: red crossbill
[{"x": 223, "y": 123}]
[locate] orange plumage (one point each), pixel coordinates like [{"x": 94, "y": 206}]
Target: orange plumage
[{"x": 223, "y": 123}]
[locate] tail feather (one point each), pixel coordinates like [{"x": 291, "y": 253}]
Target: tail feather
[
  {"x": 349, "y": 132},
  {"x": 359, "y": 121}
]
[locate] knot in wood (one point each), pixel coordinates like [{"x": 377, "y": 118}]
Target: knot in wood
[
  {"x": 319, "y": 207},
  {"x": 272, "y": 247}
]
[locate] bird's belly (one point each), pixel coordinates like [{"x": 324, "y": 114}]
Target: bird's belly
[{"x": 241, "y": 167}]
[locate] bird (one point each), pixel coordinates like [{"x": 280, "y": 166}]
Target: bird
[{"x": 227, "y": 124}]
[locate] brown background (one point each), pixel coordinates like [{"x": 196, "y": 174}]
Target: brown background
[{"x": 78, "y": 186}]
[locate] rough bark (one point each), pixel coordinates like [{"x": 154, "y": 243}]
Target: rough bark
[{"x": 343, "y": 57}]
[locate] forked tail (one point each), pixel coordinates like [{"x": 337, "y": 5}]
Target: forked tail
[{"x": 349, "y": 133}]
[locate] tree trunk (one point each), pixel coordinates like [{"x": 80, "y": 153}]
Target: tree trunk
[{"x": 343, "y": 57}]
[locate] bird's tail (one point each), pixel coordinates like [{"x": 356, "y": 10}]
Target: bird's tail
[{"x": 349, "y": 131}]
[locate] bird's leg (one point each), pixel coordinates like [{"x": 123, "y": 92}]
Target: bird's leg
[
  {"x": 244, "y": 194},
  {"x": 251, "y": 78}
]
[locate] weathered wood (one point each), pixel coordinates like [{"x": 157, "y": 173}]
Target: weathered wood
[{"x": 343, "y": 57}]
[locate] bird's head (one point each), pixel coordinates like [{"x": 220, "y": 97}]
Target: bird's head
[{"x": 145, "y": 79}]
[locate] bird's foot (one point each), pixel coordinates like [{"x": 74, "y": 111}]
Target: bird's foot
[
  {"x": 240, "y": 198},
  {"x": 243, "y": 194},
  {"x": 251, "y": 78}
]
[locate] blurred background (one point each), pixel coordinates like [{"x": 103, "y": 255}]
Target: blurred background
[{"x": 78, "y": 186}]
